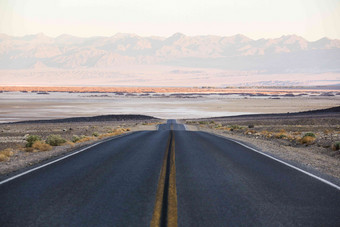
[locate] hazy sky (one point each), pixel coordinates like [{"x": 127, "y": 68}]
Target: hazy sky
[{"x": 311, "y": 19}]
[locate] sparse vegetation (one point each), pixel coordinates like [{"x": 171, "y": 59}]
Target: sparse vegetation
[
  {"x": 281, "y": 135},
  {"x": 31, "y": 139},
  {"x": 75, "y": 138},
  {"x": 336, "y": 146},
  {"x": 55, "y": 140},
  {"x": 235, "y": 127},
  {"x": 310, "y": 134},
  {"x": 95, "y": 134},
  {"x": 6, "y": 154},
  {"x": 114, "y": 132},
  {"x": 85, "y": 139}
]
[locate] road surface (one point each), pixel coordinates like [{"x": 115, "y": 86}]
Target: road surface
[{"x": 168, "y": 177}]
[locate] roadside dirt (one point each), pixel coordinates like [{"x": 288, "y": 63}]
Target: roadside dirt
[
  {"x": 282, "y": 136},
  {"x": 13, "y": 138}
]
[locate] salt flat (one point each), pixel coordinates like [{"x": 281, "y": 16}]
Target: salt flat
[{"x": 18, "y": 106}]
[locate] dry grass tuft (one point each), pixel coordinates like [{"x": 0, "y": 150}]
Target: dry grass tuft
[
  {"x": 6, "y": 154},
  {"x": 307, "y": 140},
  {"x": 69, "y": 143},
  {"x": 266, "y": 134},
  {"x": 115, "y": 132},
  {"x": 86, "y": 138},
  {"x": 41, "y": 146},
  {"x": 3, "y": 158}
]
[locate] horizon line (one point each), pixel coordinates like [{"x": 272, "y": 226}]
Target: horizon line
[{"x": 165, "y": 37}]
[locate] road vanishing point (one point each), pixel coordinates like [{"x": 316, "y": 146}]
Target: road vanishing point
[{"x": 168, "y": 177}]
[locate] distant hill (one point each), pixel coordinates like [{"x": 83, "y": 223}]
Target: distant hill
[{"x": 289, "y": 54}]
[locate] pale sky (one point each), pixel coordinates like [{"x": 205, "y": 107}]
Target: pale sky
[{"x": 311, "y": 19}]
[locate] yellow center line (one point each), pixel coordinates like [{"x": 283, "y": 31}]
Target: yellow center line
[{"x": 165, "y": 210}]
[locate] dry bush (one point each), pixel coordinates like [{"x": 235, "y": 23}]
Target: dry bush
[
  {"x": 6, "y": 154},
  {"x": 267, "y": 134},
  {"x": 283, "y": 131},
  {"x": 85, "y": 139},
  {"x": 115, "y": 132},
  {"x": 281, "y": 135},
  {"x": 29, "y": 149},
  {"x": 3, "y": 158},
  {"x": 307, "y": 139},
  {"x": 225, "y": 128},
  {"x": 41, "y": 146},
  {"x": 328, "y": 131}
]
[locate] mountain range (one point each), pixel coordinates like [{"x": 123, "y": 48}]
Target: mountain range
[{"x": 289, "y": 54}]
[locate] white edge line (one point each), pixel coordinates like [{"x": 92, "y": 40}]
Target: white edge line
[
  {"x": 278, "y": 160},
  {"x": 59, "y": 159}
]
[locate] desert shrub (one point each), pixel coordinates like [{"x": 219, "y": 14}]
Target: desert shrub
[
  {"x": 75, "y": 138},
  {"x": 234, "y": 127},
  {"x": 95, "y": 134},
  {"x": 55, "y": 140},
  {"x": 202, "y": 122},
  {"x": 309, "y": 134},
  {"x": 31, "y": 139},
  {"x": 41, "y": 146},
  {"x": 251, "y": 126},
  {"x": 336, "y": 146}
]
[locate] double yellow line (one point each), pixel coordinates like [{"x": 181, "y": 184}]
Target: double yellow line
[{"x": 165, "y": 210}]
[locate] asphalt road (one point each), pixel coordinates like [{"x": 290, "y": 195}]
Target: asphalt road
[{"x": 217, "y": 182}]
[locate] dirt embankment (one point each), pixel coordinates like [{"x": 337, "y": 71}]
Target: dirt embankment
[{"x": 77, "y": 132}]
